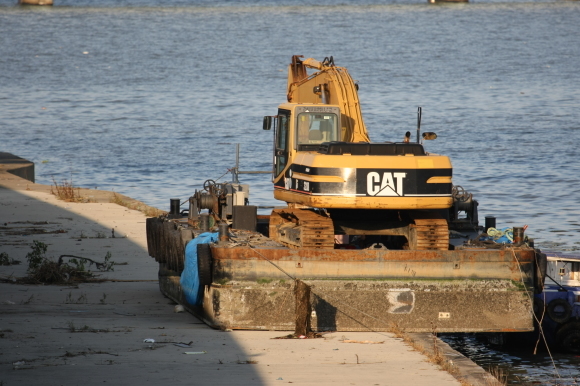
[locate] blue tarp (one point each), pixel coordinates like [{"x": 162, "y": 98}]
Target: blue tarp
[
  {"x": 190, "y": 277},
  {"x": 501, "y": 236}
]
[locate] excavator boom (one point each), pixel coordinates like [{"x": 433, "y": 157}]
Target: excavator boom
[{"x": 328, "y": 85}]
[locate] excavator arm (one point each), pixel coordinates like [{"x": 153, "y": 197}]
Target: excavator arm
[{"x": 328, "y": 85}]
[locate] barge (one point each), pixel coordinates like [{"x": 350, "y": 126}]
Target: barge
[
  {"x": 239, "y": 278},
  {"x": 374, "y": 233}
]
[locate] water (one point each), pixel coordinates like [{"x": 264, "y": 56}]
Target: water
[
  {"x": 149, "y": 98},
  {"x": 517, "y": 364}
]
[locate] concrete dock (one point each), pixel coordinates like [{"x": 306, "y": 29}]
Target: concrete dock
[{"x": 97, "y": 333}]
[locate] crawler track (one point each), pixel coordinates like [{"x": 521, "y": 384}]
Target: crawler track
[
  {"x": 429, "y": 234},
  {"x": 302, "y": 228}
]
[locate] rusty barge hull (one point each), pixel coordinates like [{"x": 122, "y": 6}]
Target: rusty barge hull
[{"x": 463, "y": 290}]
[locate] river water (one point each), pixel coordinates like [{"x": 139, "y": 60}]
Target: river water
[{"x": 148, "y": 98}]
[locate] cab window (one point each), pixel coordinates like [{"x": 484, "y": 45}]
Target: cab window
[{"x": 315, "y": 128}]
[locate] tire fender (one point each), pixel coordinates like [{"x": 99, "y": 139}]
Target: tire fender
[
  {"x": 568, "y": 337},
  {"x": 204, "y": 264},
  {"x": 559, "y": 310}
]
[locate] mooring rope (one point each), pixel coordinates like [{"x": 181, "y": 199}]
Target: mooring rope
[
  {"x": 271, "y": 262},
  {"x": 535, "y": 316},
  {"x": 320, "y": 296},
  {"x": 220, "y": 177}
]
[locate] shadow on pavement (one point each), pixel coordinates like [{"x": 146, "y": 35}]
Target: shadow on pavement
[{"x": 93, "y": 333}]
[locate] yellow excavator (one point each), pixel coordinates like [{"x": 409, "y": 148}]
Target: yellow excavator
[{"x": 341, "y": 189}]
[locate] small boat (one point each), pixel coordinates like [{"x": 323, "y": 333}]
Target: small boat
[
  {"x": 447, "y": 1},
  {"x": 35, "y": 2},
  {"x": 558, "y": 306},
  {"x": 556, "y": 310}
]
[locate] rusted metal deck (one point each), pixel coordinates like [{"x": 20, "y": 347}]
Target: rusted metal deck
[{"x": 463, "y": 290}]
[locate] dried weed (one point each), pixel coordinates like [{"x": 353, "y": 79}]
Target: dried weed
[{"x": 66, "y": 191}]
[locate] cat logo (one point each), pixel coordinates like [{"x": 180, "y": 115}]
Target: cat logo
[{"x": 385, "y": 186}]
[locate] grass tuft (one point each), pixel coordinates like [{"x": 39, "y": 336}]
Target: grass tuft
[
  {"x": 498, "y": 377},
  {"x": 66, "y": 191},
  {"x": 6, "y": 260}
]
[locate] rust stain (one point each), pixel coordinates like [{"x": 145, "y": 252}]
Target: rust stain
[
  {"x": 245, "y": 263},
  {"x": 337, "y": 255}
]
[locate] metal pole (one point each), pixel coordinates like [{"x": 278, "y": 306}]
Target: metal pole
[
  {"x": 418, "y": 123},
  {"x": 237, "y": 167}
]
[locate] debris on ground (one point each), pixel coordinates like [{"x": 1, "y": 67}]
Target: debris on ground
[{"x": 362, "y": 341}]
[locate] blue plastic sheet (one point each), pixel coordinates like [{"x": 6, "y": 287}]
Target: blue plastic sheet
[{"x": 190, "y": 276}]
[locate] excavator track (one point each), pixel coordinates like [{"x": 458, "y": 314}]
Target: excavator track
[
  {"x": 429, "y": 234},
  {"x": 301, "y": 228},
  {"x": 304, "y": 228}
]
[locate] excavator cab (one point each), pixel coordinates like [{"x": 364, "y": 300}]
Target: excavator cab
[{"x": 301, "y": 128}]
